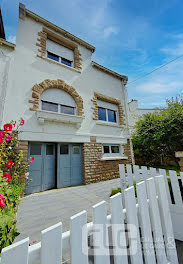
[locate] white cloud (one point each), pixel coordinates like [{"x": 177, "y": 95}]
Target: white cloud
[
  {"x": 174, "y": 51},
  {"x": 175, "y": 48},
  {"x": 158, "y": 86},
  {"x": 11, "y": 39},
  {"x": 108, "y": 31}
]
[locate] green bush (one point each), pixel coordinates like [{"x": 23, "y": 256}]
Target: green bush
[
  {"x": 157, "y": 136},
  {"x": 12, "y": 169},
  {"x": 118, "y": 190}
]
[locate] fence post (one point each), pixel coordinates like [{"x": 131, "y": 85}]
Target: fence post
[
  {"x": 163, "y": 172},
  {"x": 136, "y": 173},
  {"x": 79, "y": 238},
  {"x": 51, "y": 244},
  {"x": 100, "y": 236},
  {"x": 118, "y": 226},
  {"x": 133, "y": 226},
  {"x": 16, "y": 253},
  {"x": 166, "y": 221},
  {"x": 147, "y": 239},
  {"x": 156, "y": 222}
]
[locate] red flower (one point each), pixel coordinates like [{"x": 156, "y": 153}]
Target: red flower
[
  {"x": 8, "y": 138},
  {"x": 8, "y": 127},
  {"x": 22, "y": 122},
  {"x": 7, "y": 175},
  {"x": 1, "y": 141},
  {"x": 2, "y": 201},
  {"x": 2, "y": 134},
  {"x": 15, "y": 123},
  {"x": 32, "y": 158},
  {"x": 9, "y": 164}
]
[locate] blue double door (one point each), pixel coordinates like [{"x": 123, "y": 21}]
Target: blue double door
[
  {"x": 69, "y": 165},
  {"x": 54, "y": 166}
]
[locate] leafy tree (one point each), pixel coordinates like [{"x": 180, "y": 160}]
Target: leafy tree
[{"x": 157, "y": 136}]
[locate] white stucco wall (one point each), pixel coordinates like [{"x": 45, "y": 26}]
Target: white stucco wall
[
  {"x": 6, "y": 57},
  {"x": 28, "y": 69}
]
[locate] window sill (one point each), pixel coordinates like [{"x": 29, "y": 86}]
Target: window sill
[
  {"x": 111, "y": 124},
  {"x": 43, "y": 116},
  {"x": 59, "y": 63},
  {"x": 114, "y": 158}
]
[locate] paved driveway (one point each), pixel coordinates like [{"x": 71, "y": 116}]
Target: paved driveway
[{"x": 39, "y": 211}]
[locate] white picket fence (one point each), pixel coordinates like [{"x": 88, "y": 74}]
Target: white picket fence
[
  {"x": 148, "y": 212},
  {"x": 137, "y": 174}
]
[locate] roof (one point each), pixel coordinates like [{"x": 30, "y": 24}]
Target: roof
[
  {"x": 7, "y": 43},
  {"x": 102, "y": 68},
  {"x": 2, "y": 32},
  {"x": 67, "y": 34}
]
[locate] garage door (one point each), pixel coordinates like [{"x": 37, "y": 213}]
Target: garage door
[
  {"x": 42, "y": 170},
  {"x": 69, "y": 165}
]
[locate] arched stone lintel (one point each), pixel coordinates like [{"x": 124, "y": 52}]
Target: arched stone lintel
[{"x": 38, "y": 89}]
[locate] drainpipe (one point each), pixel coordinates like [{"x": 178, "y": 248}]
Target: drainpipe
[{"x": 125, "y": 96}]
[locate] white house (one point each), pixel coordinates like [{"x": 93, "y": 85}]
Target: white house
[
  {"x": 134, "y": 112},
  {"x": 75, "y": 110}
]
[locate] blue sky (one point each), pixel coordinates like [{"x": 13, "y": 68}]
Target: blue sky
[{"x": 131, "y": 37}]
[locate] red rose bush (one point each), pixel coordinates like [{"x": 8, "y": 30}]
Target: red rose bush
[{"x": 13, "y": 173}]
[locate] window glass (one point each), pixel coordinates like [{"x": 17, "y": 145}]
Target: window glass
[
  {"x": 52, "y": 56},
  {"x": 35, "y": 149},
  {"x": 49, "y": 106},
  {"x": 49, "y": 149},
  {"x": 66, "y": 62},
  {"x": 115, "y": 149},
  {"x": 101, "y": 113},
  {"x": 67, "y": 109},
  {"x": 111, "y": 115},
  {"x": 64, "y": 149},
  {"x": 106, "y": 149},
  {"x": 76, "y": 149}
]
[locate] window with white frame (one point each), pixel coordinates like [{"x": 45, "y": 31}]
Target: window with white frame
[
  {"x": 59, "y": 53},
  {"x": 107, "y": 112},
  {"x": 56, "y": 100},
  {"x": 112, "y": 150}
]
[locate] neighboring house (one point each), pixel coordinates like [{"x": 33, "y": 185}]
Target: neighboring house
[
  {"x": 134, "y": 112},
  {"x": 6, "y": 56},
  {"x": 75, "y": 110}
]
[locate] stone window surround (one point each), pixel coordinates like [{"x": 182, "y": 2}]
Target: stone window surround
[
  {"x": 38, "y": 89},
  {"x": 48, "y": 34},
  {"x": 98, "y": 96}
]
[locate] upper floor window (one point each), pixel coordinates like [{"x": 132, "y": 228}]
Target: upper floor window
[
  {"x": 56, "y": 100},
  {"x": 59, "y": 53},
  {"x": 107, "y": 112}
]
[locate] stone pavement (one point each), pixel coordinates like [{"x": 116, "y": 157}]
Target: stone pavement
[{"x": 39, "y": 211}]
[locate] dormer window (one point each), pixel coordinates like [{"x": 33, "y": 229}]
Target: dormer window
[
  {"x": 59, "y": 53},
  {"x": 58, "y": 101}
]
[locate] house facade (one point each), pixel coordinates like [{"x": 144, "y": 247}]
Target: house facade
[
  {"x": 75, "y": 110},
  {"x": 135, "y": 112}
]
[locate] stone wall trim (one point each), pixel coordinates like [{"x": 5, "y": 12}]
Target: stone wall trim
[
  {"x": 98, "y": 96},
  {"x": 38, "y": 89},
  {"x": 48, "y": 34}
]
